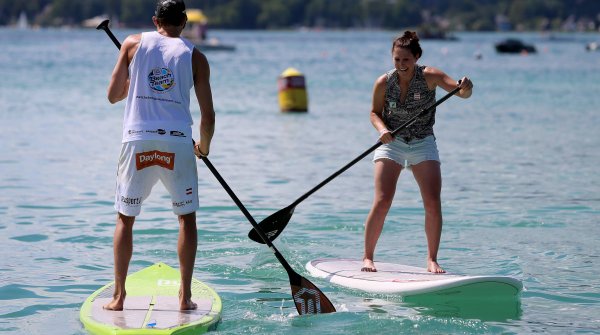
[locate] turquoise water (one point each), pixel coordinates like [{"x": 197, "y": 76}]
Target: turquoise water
[{"x": 521, "y": 190}]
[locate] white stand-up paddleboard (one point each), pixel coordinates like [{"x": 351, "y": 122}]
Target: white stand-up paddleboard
[
  {"x": 152, "y": 306},
  {"x": 409, "y": 281}
]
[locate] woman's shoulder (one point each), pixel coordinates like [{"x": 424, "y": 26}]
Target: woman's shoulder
[
  {"x": 430, "y": 71},
  {"x": 381, "y": 80},
  {"x": 385, "y": 77},
  {"x": 433, "y": 75}
]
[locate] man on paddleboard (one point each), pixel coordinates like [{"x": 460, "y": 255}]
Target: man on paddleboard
[
  {"x": 398, "y": 95},
  {"x": 155, "y": 72}
]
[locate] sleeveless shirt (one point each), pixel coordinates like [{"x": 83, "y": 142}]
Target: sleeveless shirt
[
  {"x": 158, "y": 102},
  {"x": 418, "y": 97}
]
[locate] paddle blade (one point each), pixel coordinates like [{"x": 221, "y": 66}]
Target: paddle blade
[
  {"x": 309, "y": 299},
  {"x": 273, "y": 225}
]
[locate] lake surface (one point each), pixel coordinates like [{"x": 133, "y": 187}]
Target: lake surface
[{"x": 520, "y": 159}]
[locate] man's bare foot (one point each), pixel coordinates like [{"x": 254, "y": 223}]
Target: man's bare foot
[
  {"x": 434, "y": 267},
  {"x": 368, "y": 266},
  {"x": 187, "y": 304},
  {"x": 115, "y": 305}
]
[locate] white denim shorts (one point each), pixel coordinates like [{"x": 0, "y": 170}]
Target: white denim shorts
[
  {"x": 143, "y": 163},
  {"x": 411, "y": 153}
]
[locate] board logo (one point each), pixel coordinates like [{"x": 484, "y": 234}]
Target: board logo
[
  {"x": 167, "y": 282},
  {"x": 161, "y": 80}
]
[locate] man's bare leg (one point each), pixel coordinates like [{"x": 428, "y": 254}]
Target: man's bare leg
[
  {"x": 187, "y": 245},
  {"x": 122, "y": 249}
]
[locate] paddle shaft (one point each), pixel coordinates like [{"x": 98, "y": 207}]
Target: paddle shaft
[
  {"x": 371, "y": 149},
  {"x": 104, "y": 26},
  {"x": 237, "y": 201},
  {"x": 307, "y": 298}
]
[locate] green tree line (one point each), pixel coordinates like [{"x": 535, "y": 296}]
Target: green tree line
[{"x": 281, "y": 14}]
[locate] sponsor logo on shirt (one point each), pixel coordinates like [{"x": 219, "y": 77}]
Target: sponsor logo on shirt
[
  {"x": 177, "y": 133},
  {"x": 134, "y": 131},
  {"x": 157, "y": 131},
  {"x": 161, "y": 79},
  {"x": 155, "y": 158}
]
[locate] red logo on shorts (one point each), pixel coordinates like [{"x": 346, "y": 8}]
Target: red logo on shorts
[{"x": 155, "y": 157}]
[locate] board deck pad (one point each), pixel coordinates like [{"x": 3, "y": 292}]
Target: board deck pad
[
  {"x": 152, "y": 306},
  {"x": 407, "y": 280},
  {"x": 132, "y": 316},
  {"x": 163, "y": 313}
]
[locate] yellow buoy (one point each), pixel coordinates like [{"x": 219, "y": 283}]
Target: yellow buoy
[{"x": 292, "y": 91}]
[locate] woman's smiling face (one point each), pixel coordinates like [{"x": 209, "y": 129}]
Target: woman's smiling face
[{"x": 404, "y": 60}]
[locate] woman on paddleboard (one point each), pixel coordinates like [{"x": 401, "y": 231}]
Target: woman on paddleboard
[
  {"x": 398, "y": 95},
  {"x": 155, "y": 72}
]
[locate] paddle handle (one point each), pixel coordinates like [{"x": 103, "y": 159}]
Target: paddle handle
[
  {"x": 104, "y": 26},
  {"x": 372, "y": 148}
]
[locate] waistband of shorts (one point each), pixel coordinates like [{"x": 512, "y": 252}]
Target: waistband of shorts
[{"x": 412, "y": 139}]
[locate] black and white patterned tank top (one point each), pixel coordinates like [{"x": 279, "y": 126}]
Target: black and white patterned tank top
[{"x": 419, "y": 97}]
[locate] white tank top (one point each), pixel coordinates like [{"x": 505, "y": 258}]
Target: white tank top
[{"x": 158, "y": 102}]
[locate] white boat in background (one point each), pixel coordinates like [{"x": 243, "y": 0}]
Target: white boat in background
[
  {"x": 212, "y": 44},
  {"x": 197, "y": 33},
  {"x": 23, "y": 23},
  {"x": 94, "y": 21}
]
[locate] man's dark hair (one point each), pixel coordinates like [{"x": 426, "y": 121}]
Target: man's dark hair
[{"x": 170, "y": 12}]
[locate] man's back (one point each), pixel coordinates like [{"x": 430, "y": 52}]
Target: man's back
[{"x": 159, "y": 90}]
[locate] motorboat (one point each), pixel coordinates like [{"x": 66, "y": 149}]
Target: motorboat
[
  {"x": 512, "y": 45},
  {"x": 212, "y": 44}
]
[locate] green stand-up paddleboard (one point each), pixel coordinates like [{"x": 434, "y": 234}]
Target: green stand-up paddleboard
[{"x": 152, "y": 306}]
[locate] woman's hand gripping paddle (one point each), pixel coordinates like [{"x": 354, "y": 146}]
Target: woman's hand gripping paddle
[
  {"x": 274, "y": 224},
  {"x": 307, "y": 297}
]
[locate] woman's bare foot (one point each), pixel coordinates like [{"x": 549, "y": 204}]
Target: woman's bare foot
[
  {"x": 434, "y": 267},
  {"x": 368, "y": 266}
]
